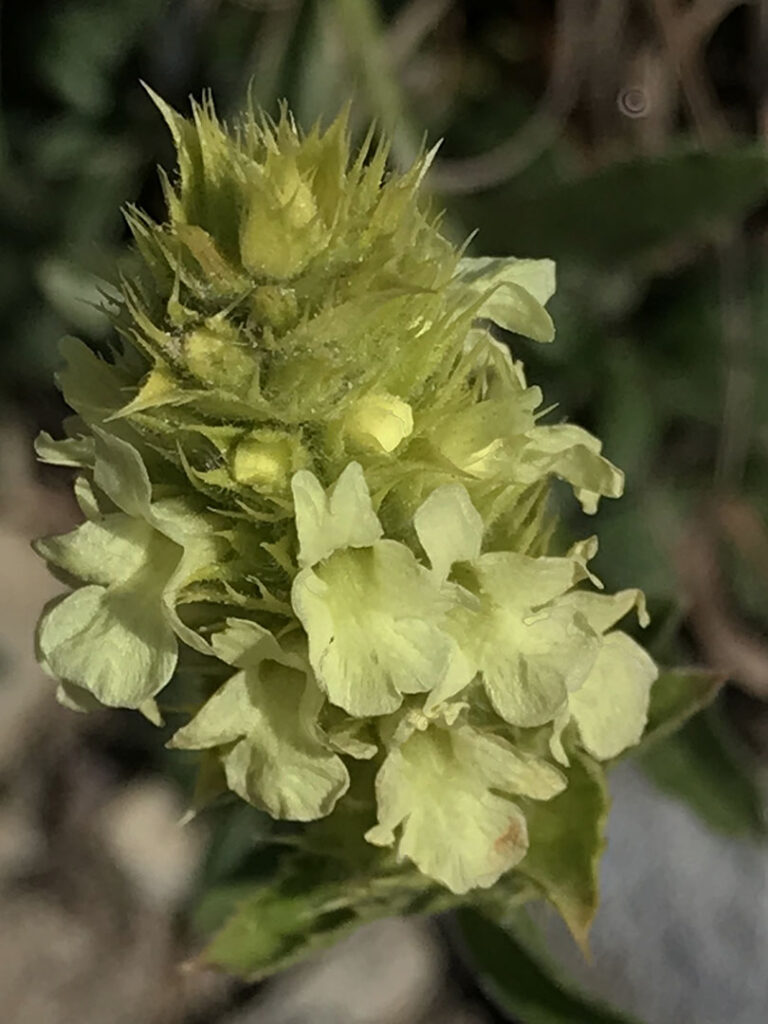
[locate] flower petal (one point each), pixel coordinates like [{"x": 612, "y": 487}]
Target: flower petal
[
  {"x": 449, "y": 528},
  {"x": 529, "y": 666},
  {"x": 111, "y": 642},
  {"x": 328, "y": 522},
  {"x": 602, "y": 611},
  {"x": 373, "y": 622},
  {"x": 529, "y": 650},
  {"x": 484, "y": 439},
  {"x": 91, "y": 386},
  {"x": 573, "y": 454},
  {"x": 245, "y": 644},
  {"x": 107, "y": 552},
  {"x": 513, "y": 308},
  {"x": 69, "y": 451},
  {"x": 611, "y": 707},
  {"x": 536, "y": 276},
  {"x": 279, "y": 761},
  {"x": 120, "y": 472},
  {"x": 348, "y": 738},
  {"x": 513, "y": 293},
  {"x": 519, "y": 581},
  {"x": 470, "y": 839}
]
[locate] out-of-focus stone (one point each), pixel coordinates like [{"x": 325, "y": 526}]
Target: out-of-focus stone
[
  {"x": 389, "y": 972},
  {"x": 682, "y": 930},
  {"x": 21, "y": 844},
  {"x": 26, "y": 588},
  {"x": 142, "y": 832}
]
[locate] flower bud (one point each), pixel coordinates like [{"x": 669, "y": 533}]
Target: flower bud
[
  {"x": 379, "y": 422},
  {"x": 265, "y": 460},
  {"x": 215, "y": 355}
]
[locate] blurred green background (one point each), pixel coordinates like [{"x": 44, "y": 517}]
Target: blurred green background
[{"x": 624, "y": 138}]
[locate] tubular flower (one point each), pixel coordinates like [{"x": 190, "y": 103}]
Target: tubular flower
[{"x": 315, "y": 489}]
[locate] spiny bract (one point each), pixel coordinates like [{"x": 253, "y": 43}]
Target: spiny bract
[{"x": 314, "y": 489}]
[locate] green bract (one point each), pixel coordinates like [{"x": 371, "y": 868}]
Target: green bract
[{"x": 315, "y": 488}]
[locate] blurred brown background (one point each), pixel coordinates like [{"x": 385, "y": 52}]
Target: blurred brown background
[{"x": 626, "y": 139}]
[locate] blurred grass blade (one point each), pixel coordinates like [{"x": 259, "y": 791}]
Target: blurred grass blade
[
  {"x": 627, "y": 209},
  {"x": 699, "y": 766},
  {"x": 677, "y": 695},
  {"x": 520, "y": 981}
]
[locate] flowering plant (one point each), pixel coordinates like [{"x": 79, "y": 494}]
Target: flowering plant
[{"x": 316, "y": 543}]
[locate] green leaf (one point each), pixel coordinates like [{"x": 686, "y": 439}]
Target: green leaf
[
  {"x": 75, "y": 294},
  {"x": 520, "y": 980},
  {"x": 311, "y": 904},
  {"x": 276, "y": 925},
  {"x": 699, "y": 765},
  {"x": 260, "y": 933},
  {"x": 676, "y": 696},
  {"x": 624, "y": 210},
  {"x": 242, "y": 849},
  {"x": 566, "y": 842}
]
